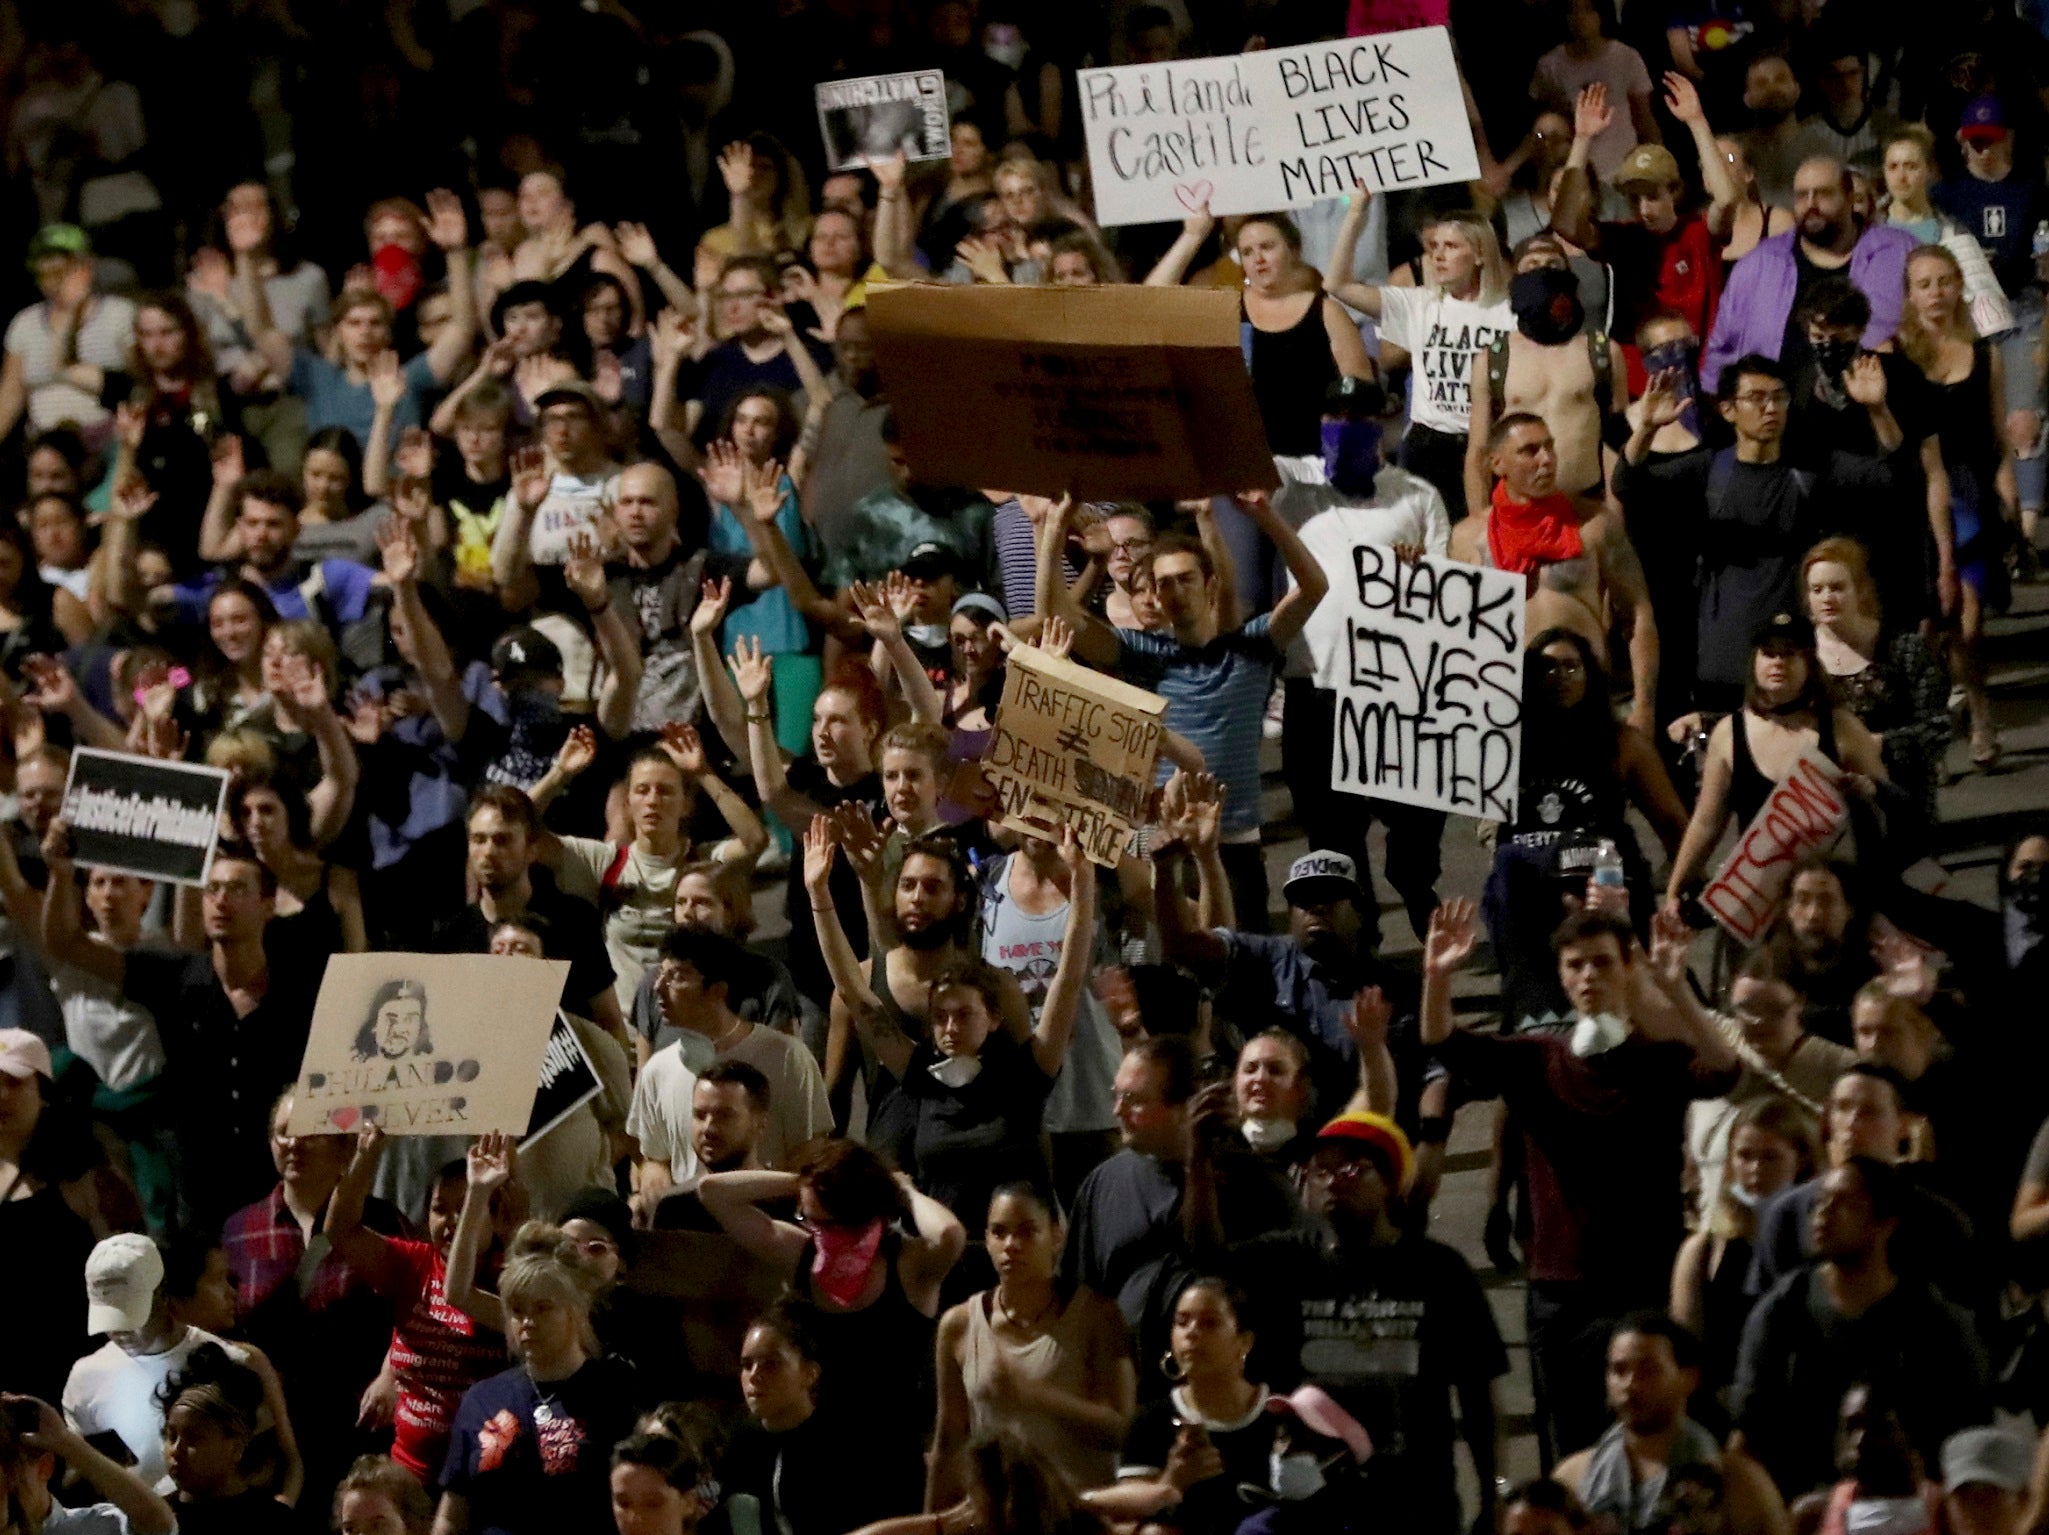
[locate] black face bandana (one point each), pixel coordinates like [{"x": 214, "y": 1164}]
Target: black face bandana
[
  {"x": 1546, "y": 304},
  {"x": 1833, "y": 359}
]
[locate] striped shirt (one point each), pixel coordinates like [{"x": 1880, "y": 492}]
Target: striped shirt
[{"x": 1216, "y": 697}]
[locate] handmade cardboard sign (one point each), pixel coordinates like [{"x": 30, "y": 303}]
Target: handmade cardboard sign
[
  {"x": 1428, "y": 668},
  {"x": 428, "y": 1044},
  {"x": 1281, "y": 128},
  {"x": 1806, "y": 812},
  {"x": 1113, "y": 393},
  {"x": 1072, "y": 747},
  {"x": 568, "y": 1081},
  {"x": 144, "y": 816},
  {"x": 875, "y": 116}
]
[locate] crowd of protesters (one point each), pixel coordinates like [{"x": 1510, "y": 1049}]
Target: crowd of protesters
[{"x": 462, "y": 425}]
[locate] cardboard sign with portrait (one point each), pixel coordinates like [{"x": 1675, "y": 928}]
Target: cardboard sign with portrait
[{"x": 427, "y": 1044}]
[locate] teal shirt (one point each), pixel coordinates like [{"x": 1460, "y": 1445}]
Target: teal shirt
[{"x": 772, "y": 618}]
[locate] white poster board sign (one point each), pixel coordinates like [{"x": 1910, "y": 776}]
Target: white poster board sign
[
  {"x": 427, "y": 1044},
  {"x": 1806, "y": 812},
  {"x": 1282, "y": 128},
  {"x": 1428, "y": 668}
]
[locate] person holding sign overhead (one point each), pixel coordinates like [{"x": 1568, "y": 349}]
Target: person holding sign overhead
[
  {"x": 1459, "y": 311},
  {"x": 1215, "y": 680}
]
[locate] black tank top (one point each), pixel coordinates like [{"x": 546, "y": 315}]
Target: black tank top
[
  {"x": 1748, "y": 787},
  {"x": 1291, "y": 369},
  {"x": 877, "y": 1360}
]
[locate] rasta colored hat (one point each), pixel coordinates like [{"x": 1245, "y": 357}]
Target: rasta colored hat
[
  {"x": 1647, "y": 165},
  {"x": 1380, "y": 1138}
]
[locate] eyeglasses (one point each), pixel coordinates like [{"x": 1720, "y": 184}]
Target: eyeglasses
[
  {"x": 741, "y": 295},
  {"x": 1130, "y": 545},
  {"x": 1763, "y": 397}
]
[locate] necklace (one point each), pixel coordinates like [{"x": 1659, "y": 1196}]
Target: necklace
[
  {"x": 720, "y": 1042},
  {"x": 1020, "y": 1323}
]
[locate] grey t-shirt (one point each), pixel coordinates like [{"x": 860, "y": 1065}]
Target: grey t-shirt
[{"x": 102, "y": 341}]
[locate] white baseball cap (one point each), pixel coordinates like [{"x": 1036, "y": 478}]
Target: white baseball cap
[
  {"x": 121, "y": 1280},
  {"x": 1321, "y": 872},
  {"x": 23, "y": 1054}
]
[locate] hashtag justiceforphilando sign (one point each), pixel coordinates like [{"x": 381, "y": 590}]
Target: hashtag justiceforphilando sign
[
  {"x": 1073, "y": 747},
  {"x": 141, "y": 816}
]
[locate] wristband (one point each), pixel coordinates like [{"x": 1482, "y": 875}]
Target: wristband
[
  {"x": 1433, "y": 1130},
  {"x": 759, "y": 719}
]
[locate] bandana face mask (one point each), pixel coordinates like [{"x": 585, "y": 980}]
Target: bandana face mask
[
  {"x": 843, "y": 1258},
  {"x": 1351, "y": 455},
  {"x": 1546, "y": 304}
]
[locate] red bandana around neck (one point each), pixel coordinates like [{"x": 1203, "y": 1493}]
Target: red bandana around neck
[{"x": 1525, "y": 536}]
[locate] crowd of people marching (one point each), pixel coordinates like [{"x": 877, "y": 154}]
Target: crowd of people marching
[{"x": 461, "y": 424}]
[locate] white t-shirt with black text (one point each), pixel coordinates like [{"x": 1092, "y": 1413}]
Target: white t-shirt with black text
[{"x": 1441, "y": 334}]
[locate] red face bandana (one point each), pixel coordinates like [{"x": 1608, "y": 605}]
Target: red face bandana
[
  {"x": 1525, "y": 536},
  {"x": 842, "y": 1259}
]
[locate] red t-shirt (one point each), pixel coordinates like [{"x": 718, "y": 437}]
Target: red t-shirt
[
  {"x": 1679, "y": 270},
  {"x": 437, "y": 1353}
]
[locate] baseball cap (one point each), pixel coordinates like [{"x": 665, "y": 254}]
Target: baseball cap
[
  {"x": 1379, "y": 1136},
  {"x": 930, "y": 561},
  {"x": 1319, "y": 874},
  {"x": 1992, "y": 1456},
  {"x": 569, "y": 389},
  {"x": 1648, "y": 165},
  {"x": 23, "y": 1054},
  {"x": 121, "y": 1279},
  {"x": 525, "y": 649},
  {"x": 1983, "y": 118},
  {"x": 58, "y": 240},
  {"x": 1783, "y": 629}
]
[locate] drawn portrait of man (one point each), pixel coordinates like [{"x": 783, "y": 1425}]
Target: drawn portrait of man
[{"x": 397, "y": 1024}]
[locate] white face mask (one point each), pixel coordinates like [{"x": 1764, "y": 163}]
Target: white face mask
[
  {"x": 1597, "y": 1035},
  {"x": 1267, "y": 1134},
  {"x": 1296, "y": 1477},
  {"x": 1743, "y": 1196},
  {"x": 1886, "y": 1516},
  {"x": 956, "y": 1070},
  {"x": 697, "y": 1051},
  {"x": 931, "y": 636}
]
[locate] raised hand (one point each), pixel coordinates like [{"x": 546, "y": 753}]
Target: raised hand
[
  {"x": 578, "y": 751},
  {"x": 1661, "y": 402},
  {"x": 370, "y": 1139},
  {"x": 1074, "y": 857},
  {"x": 723, "y": 473},
  {"x": 133, "y": 498},
  {"x": 1865, "y": 381},
  {"x": 753, "y": 672},
  {"x": 983, "y": 258},
  {"x": 447, "y": 225},
  {"x": 583, "y": 572},
  {"x": 1367, "y": 1019},
  {"x": 1199, "y": 810},
  {"x": 736, "y": 169},
  {"x": 901, "y": 593},
  {"x": 387, "y": 383},
  {"x": 818, "y": 855},
  {"x": 56, "y": 848},
  {"x": 763, "y": 487},
  {"x": 685, "y": 747},
  {"x": 1902, "y": 962},
  {"x": 401, "y": 552},
  {"x": 772, "y": 320},
  {"x": 712, "y": 598},
  {"x": 531, "y": 477},
  {"x": 1670, "y": 939},
  {"x": 1056, "y": 637},
  {"x": 51, "y": 687},
  {"x": 637, "y": 245},
  {"x": 1591, "y": 114},
  {"x": 672, "y": 335},
  {"x": 608, "y": 379},
  {"x": 888, "y": 173},
  {"x": 210, "y": 273},
  {"x": 875, "y": 613},
  {"x": 1682, "y": 100},
  {"x": 499, "y": 359},
  {"x": 1454, "y": 932},
  {"x": 860, "y": 839},
  {"x": 493, "y": 1161},
  {"x": 131, "y": 420},
  {"x": 305, "y": 688}
]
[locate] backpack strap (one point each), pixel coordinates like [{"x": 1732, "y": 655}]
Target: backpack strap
[
  {"x": 615, "y": 870},
  {"x": 1604, "y": 371},
  {"x": 1497, "y": 369}
]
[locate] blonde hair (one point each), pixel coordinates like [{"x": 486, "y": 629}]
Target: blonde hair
[
  {"x": 304, "y": 637},
  {"x": 1494, "y": 272},
  {"x": 243, "y": 751},
  {"x": 1776, "y": 1116},
  {"x": 542, "y": 1263},
  {"x": 1916, "y": 341},
  {"x": 927, "y": 740},
  {"x": 1916, "y": 134},
  {"x": 1849, "y": 554}
]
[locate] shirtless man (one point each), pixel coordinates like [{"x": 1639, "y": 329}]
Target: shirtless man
[
  {"x": 1549, "y": 373},
  {"x": 1583, "y": 573}
]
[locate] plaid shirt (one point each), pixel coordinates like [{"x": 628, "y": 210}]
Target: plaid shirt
[{"x": 265, "y": 1249}]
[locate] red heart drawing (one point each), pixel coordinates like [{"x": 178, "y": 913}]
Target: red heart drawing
[
  {"x": 342, "y": 1119},
  {"x": 1193, "y": 196}
]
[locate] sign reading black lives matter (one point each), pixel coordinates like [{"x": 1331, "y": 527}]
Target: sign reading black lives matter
[
  {"x": 568, "y": 1081},
  {"x": 142, "y": 816},
  {"x": 1072, "y": 747},
  {"x": 427, "y": 1044},
  {"x": 873, "y": 117},
  {"x": 1429, "y": 676},
  {"x": 1281, "y": 128}
]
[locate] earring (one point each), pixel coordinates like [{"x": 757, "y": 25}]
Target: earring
[{"x": 1170, "y": 1367}]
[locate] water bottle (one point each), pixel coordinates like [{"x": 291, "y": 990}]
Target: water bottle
[
  {"x": 1608, "y": 866},
  {"x": 2041, "y": 244}
]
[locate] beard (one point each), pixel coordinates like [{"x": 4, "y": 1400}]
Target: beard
[
  {"x": 932, "y": 935},
  {"x": 1330, "y": 952}
]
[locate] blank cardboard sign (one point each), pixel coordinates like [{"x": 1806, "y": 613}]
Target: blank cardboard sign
[{"x": 1114, "y": 393}]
